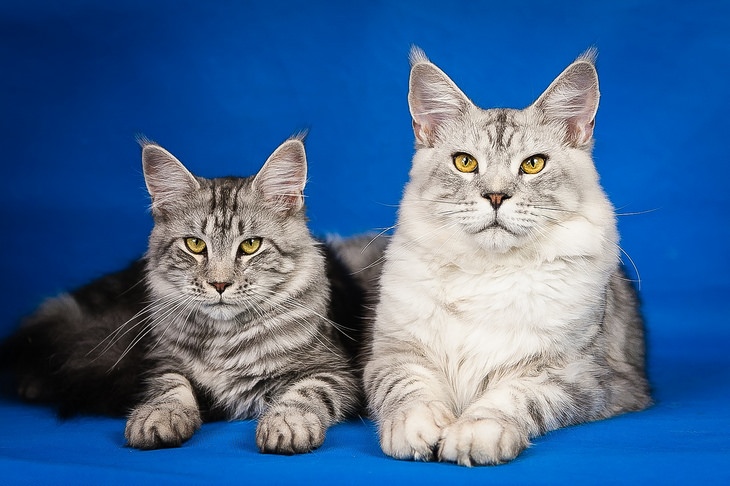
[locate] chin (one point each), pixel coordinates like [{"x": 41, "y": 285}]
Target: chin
[
  {"x": 221, "y": 312},
  {"x": 495, "y": 240}
]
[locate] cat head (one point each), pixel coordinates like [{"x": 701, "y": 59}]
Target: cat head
[
  {"x": 226, "y": 246},
  {"x": 505, "y": 178}
]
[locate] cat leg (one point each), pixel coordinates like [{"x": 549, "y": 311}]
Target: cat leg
[
  {"x": 498, "y": 426},
  {"x": 409, "y": 403},
  {"x": 167, "y": 418},
  {"x": 297, "y": 420}
]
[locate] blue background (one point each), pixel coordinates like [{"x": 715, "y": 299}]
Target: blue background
[{"x": 222, "y": 83}]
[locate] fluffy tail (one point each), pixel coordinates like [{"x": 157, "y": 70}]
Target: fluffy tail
[
  {"x": 353, "y": 267},
  {"x": 52, "y": 363},
  {"x": 79, "y": 351}
]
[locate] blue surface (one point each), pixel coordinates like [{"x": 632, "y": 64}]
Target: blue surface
[{"x": 221, "y": 84}]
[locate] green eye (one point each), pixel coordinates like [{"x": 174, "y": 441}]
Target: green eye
[
  {"x": 533, "y": 164},
  {"x": 195, "y": 245},
  {"x": 250, "y": 246},
  {"x": 465, "y": 163}
]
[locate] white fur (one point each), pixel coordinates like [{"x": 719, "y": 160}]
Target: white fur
[{"x": 486, "y": 311}]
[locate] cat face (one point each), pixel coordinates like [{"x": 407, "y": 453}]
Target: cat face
[
  {"x": 503, "y": 177},
  {"x": 227, "y": 246}
]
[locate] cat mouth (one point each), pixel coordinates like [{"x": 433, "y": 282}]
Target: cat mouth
[
  {"x": 496, "y": 225},
  {"x": 216, "y": 304}
]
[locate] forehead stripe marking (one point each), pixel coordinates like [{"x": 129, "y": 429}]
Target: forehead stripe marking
[{"x": 500, "y": 126}]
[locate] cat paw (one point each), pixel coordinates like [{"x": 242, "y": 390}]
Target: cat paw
[
  {"x": 414, "y": 432},
  {"x": 287, "y": 430},
  {"x": 485, "y": 441},
  {"x": 153, "y": 426}
]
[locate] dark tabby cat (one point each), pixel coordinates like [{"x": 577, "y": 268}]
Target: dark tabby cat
[{"x": 227, "y": 315}]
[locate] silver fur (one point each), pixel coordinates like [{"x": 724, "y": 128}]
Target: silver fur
[
  {"x": 249, "y": 333},
  {"x": 504, "y": 312}
]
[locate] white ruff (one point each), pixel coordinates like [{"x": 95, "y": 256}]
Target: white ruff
[{"x": 475, "y": 311}]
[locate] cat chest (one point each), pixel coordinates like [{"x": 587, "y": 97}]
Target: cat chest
[
  {"x": 230, "y": 378},
  {"x": 497, "y": 320},
  {"x": 238, "y": 396},
  {"x": 525, "y": 299}
]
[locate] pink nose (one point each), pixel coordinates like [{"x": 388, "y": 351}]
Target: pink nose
[
  {"x": 496, "y": 198},
  {"x": 220, "y": 286}
]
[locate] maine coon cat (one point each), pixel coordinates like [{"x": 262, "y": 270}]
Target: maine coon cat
[
  {"x": 228, "y": 315},
  {"x": 504, "y": 311}
]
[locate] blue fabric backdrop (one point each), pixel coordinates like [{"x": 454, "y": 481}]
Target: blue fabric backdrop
[{"x": 222, "y": 83}]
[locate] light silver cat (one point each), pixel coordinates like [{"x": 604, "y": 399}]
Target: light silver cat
[{"x": 504, "y": 311}]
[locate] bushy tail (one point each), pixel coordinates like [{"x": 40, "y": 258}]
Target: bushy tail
[
  {"x": 353, "y": 267},
  {"x": 55, "y": 360},
  {"x": 81, "y": 351}
]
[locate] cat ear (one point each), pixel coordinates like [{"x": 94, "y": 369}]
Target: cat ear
[
  {"x": 166, "y": 178},
  {"x": 433, "y": 98},
  {"x": 282, "y": 178},
  {"x": 572, "y": 99}
]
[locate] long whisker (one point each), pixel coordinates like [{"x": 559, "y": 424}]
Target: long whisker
[
  {"x": 637, "y": 213},
  {"x": 110, "y": 340},
  {"x": 290, "y": 303},
  {"x": 306, "y": 326},
  {"x": 297, "y": 305},
  {"x": 392, "y": 251},
  {"x": 372, "y": 240},
  {"x": 153, "y": 323},
  {"x": 633, "y": 264}
]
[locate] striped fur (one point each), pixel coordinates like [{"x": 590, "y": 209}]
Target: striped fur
[
  {"x": 181, "y": 337},
  {"x": 504, "y": 312}
]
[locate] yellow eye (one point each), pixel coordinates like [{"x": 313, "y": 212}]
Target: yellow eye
[
  {"x": 533, "y": 164},
  {"x": 465, "y": 163},
  {"x": 250, "y": 246},
  {"x": 196, "y": 245}
]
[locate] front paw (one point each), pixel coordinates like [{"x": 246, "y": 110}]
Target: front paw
[
  {"x": 472, "y": 442},
  {"x": 153, "y": 426},
  {"x": 289, "y": 430},
  {"x": 414, "y": 431}
]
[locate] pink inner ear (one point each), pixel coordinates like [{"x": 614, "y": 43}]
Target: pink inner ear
[
  {"x": 433, "y": 99},
  {"x": 282, "y": 178},
  {"x": 285, "y": 204},
  {"x": 580, "y": 131},
  {"x": 285, "y": 194},
  {"x": 573, "y": 100},
  {"x": 293, "y": 202},
  {"x": 166, "y": 177},
  {"x": 422, "y": 135}
]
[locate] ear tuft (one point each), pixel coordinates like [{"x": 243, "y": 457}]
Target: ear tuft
[
  {"x": 417, "y": 56},
  {"x": 433, "y": 98},
  {"x": 589, "y": 55},
  {"x": 166, "y": 177},
  {"x": 282, "y": 179},
  {"x": 572, "y": 99}
]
